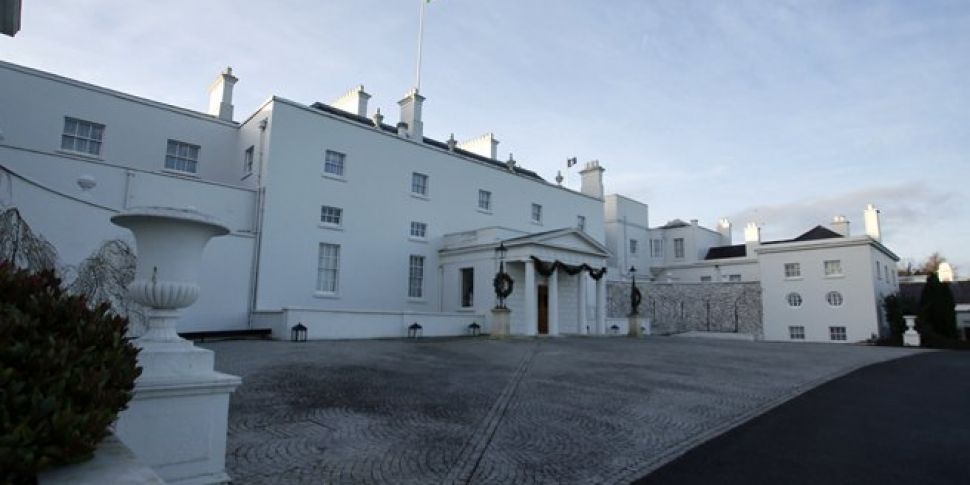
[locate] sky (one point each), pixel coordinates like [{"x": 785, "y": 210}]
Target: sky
[{"x": 781, "y": 113}]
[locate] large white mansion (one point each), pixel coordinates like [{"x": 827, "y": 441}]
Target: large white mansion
[{"x": 359, "y": 228}]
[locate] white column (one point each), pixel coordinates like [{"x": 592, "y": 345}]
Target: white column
[
  {"x": 601, "y": 305},
  {"x": 531, "y": 301},
  {"x": 554, "y": 302},
  {"x": 581, "y": 315}
]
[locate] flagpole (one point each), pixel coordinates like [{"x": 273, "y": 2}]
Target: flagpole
[{"x": 417, "y": 82}]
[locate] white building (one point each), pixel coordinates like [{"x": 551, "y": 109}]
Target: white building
[
  {"x": 824, "y": 285},
  {"x": 349, "y": 225}
]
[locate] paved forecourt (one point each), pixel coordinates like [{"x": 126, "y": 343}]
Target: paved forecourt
[{"x": 568, "y": 410}]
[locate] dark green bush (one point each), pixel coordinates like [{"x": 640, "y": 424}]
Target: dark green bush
[{"x": 66, "y": 371}]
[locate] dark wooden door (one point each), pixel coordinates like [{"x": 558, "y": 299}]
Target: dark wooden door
[{"x": 543, "y": 309}]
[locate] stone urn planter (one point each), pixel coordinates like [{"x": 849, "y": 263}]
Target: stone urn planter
[{"x": 177, "y": 421}]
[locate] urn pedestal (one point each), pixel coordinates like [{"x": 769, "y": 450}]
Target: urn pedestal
[
  {"x": 911, "y": 336},
  {"x": 177, "y": 420},
  {"x": 501, "y": 322},
  {"x": 634, "y": 330}
]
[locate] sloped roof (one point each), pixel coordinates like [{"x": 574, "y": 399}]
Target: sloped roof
[
  {"x": 720, "y": 252},
  {"x": 960, "y": 290},
  {"x": 545, "y": 236},
  {"x": 674, "y": 223},
  {"x": 813, "y": 234},
  {"x": 435, "y": 143}
]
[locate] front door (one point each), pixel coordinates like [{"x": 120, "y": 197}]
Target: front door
[{"x": 543, "y": 309}]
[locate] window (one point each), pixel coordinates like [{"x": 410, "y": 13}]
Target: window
[
  {"x": 794, "y": 300},
  {"x": 419, "y": 230},
  {"x": 419, "y": 184},
  {"x": 416, "y": 277},
  {"x": 734, "y": 277},
  {"x": 793, "y": 270},
  {"x": 657, "y": 248},
  {"x": 833, "y": 268},
  {"x": 248, "y": 160},
  {"x": 581, "y": 222},
  {"x": 633, "y": 246},
  {"x": 878, "y": 271},
  {"x": 796, "y": 332},
  {"x": 82, "y": 136},
  {"x": 182, "y": 156},
  {"x": 484, "y": 200},
  {"x": 705, "y": 279},
  {"x": 836, "y": 333},
  {"x": 536, "y": 214},
  {"x": 331, "y": 216},
  {"x": 328, "y": 268},
  {"x": 679, "y": 247},
  {"x": 333, "y": 163},
  {"x": 467, "y": 287},
  {"x": 834, "y": 298}
]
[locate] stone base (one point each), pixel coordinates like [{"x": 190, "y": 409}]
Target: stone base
[
  {"x": 911, "y": 338},
  {"x": 178, "y": 419},
  {"x": 113, "y": 462},
  {"x": 633, "y": 326},
  {"x": 501, "y": 322}
]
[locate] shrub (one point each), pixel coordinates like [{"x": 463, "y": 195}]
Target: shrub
[
  {"x": 66, "y": 371},
  {"x": 937, "y": 309}
]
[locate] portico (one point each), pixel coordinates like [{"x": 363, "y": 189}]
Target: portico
[{"x": 558, "y": 275}]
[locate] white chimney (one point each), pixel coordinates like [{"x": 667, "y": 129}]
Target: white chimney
[
  {"x": 872, "y": 222},
  {"x": 485, "y": 145},
  {"x": 840, "y": 225},
  {"x": 724, "y": 227},
  {"x": 592, "y": 181},
  {"x": 411, "y": 114},
  {"x": 220, "y": 95},
  {"x": 355, "y": 101},
  {"x": 752, "y": 238}
]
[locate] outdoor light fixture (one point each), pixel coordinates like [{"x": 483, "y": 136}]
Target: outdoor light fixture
[
  {"x": 474, "y": 329},
  {"x": 615, "y": 329},
  {"x": 298, "y": 332},
  {"x": 635, "y": 296},
  {"x": 415, "y": 330}
]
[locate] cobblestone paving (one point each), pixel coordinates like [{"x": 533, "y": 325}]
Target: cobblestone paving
[{"x": 565, "y": 410}]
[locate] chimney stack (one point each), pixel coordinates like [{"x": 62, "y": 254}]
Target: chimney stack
[
  {"x": 724, "y": 227},
  {"x": 752, "y": 238},
  {"x": 871, "y": 215},
  {"x": 840, "y": 225},
  {"x": 485, "y": 145},
  {"x": 592, "y": 181},
  {"x": 411, "y": 114},
  {"x": 220, "y": 95},
  {"x": 355, "y": 101}
]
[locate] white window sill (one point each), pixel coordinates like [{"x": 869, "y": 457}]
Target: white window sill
[
  {"x": 418, "y": 239},
  {"x": 412, "y": 299},
  {"x": 420, "y": 196},
  {"x": 799, "y": 307},
  {"x": 465, "y": 309},
  {"x": 180, "y": 173},
  {"x": 536, "y": 223},
  {"x": 80, "y": 154},
  {"x": 794, "y": 278},
  {"x": 338, "y": 178},
  {"x": 326, "y": 295},
  {"x": 332, "y": 227},
  {"x": 485, "y": 211},
  {"x": 834, "y": 276}
]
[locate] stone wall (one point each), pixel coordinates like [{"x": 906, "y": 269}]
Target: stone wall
[{"x": 684, "y": 307}]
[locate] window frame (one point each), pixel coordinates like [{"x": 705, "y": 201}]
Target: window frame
[
  {"x": 796, "y": 332},
  {"x": 827, "y": 268},
  {"x": 680, "y": 251},
  {"x": 249, "y": 158},
  {"x": 834, "y": 298},
  {"x": 416, "y": 277},
  {"x": 334, "y": 257},
  {"x": 581, "y": 223},
  {"x": 420, "y": 185},
  {"x": 633, "y": 246},
  {"x": 734, "y": 278},
  {"x": 836, "y": 331},
  {"x": 340, "y": 163},
  {"x": 656, "y": 248},
  {"x": 335, "y": 213},
  {"x": 412, "y": 234},
  {"x": 178, "y": 157},
  {"x": 794, "y": 300},
  {"x": 792, "y": 271},
  {"x": 535, "y": 215},
  {"x": 486, "y": 197},
  {"x": 88, "y": 139},
  {"x": 466, "y": 295}
]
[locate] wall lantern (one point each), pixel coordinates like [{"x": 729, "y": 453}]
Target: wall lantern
[
  {"x": 415, "y": 330},
  {"x": 475, "y": 329},
  {"x": 298, "y": 332}
]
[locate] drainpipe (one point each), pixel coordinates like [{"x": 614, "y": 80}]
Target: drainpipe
[{"x": 258, "y": 225}]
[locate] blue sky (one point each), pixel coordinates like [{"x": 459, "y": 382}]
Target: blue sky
[{"x": 783, "y": 113}]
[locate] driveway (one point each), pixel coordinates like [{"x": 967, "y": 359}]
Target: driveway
[{"x": 566, "y": 410}]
